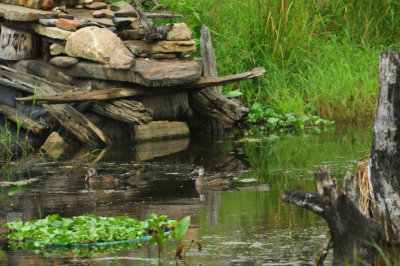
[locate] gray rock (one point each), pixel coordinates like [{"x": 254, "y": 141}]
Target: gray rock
[
  {"x": 49, "y": 22},
  {"x": 63, "y": 61},
  {"x": 123, "y": 9},
  {"x": 122, "y": 22}
]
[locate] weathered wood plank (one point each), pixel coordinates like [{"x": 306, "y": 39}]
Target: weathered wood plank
[
  {"x": 17, "y": 44},
  {"x": 161, "y": 14},
  {"x": 129, "y": 111},
  {"x": 208, "y": 54},
  {"x": 18, "y": 117},
  {"x": 149, "y": 73},
  {"x": 158, "y": 130}
]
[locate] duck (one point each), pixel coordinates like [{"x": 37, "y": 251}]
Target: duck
[
  {"x": 220, "y": 182},
  {"x": 93, "y": 179}
]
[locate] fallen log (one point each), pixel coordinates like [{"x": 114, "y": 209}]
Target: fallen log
[
  {"x": 116, "y": 93},
  {"x": 18, "y": 117},
  {"x": 72, "y": 120},
  {"x": 129, "y": 111},
  {"x": 161, "y": 14},
  {"x": 350, "y": 229}
]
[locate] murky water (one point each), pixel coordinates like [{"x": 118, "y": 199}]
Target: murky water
[{"x": 247, "y": 226}]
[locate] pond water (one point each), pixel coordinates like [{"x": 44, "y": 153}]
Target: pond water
[{"x": 245, "y": 226}]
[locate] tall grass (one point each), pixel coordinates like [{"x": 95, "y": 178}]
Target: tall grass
[{"x": 319, "y": 52}]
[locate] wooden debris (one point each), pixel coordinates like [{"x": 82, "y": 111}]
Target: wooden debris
[
  {"x": 139, "y": 47},
  {"x": 384, "y": 161},
  {"x": 18, "y": 117},
  {"x": 208, "y": 55},
  {"x": 72, "y": 120},
  {"x": 116, "y": 93},
  {"x": 323, "y": 252},
  {"x": 129, "y": 111},
  {"x": 158, "y": 130},
  {"x": 161, "y": 14},
  {"x": 351, "y": 230},
  {"x": 17, "y": 44}
]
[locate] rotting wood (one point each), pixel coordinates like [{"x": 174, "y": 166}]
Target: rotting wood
[
  {"x": 385, "y": 152},
  {"x": 17, "y": 44},
  {"x": 18, "y": 117},
  {"x": 350, "y": 229},
  {"x": 208, "y": 54},
  {"x": 161, "y": 14},
  {"x": 72, "y": 120},
  {"x": 323, "y": 252},
  {"x": 115, "y": 93},
  {"x": 129, "y": 111}
]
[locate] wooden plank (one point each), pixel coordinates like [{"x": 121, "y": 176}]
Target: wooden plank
[
  {"x": 161, "y": 14},
  {"x": 72, "y": 120},
  {"x": 20, "y": 13},
  {"x": 18, "y": 117},
  {"x": 208, "y": 55},
  {"x": 116, "y": 93},
  {"x": 149, "y": 73},
  {"x": 128, "y": 111}
]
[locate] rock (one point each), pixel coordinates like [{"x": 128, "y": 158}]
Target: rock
[
  {"x": 56, "y": 49},
  {"x": 157, "y": 130},
  {"x": 109, "y": 13},
  {"x": 122, "y": 22},
  {"x": 51, "y": 32},
  {"x": 112, "y": 29},
  {"x": 49, "y": 22},
  {"x": 94, "y": 44},
  {"x": 65, "y": 16},
  {"x": 47, "y": 5},
  {"x": 138, "y": 47},
  {"x": 87, "y": 1},
  {"x": 98, "y": 14},
  {"x": 132, "y": 34},
  {"x": 121, "y": 58},
  {"x": 89, "y": 24},
  {"x": 20, "y": 13},
  {"x": 67, "y": 24},
  {"x": 54, "y": 145},
  {"x": 123, "y": 9},
  {"x": 150, "y": 73},
  {"x": 179, "y": 32},
  {"x": 63, "y": 61},
  {"x": 96, "y": 5}
]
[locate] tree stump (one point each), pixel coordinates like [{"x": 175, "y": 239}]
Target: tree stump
[{"x": 384, "y": 164}]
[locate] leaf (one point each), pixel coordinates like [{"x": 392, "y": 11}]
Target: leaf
[
  {"x": 182, "y": 227},
  {"x": 14, "y": 190},
  {"x": 257, "y": 106},
  {"x": 272, "y": 121},
  {"x": 234, "y": 94}
]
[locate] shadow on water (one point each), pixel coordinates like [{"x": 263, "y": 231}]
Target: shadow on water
[{"x": 246, "y": 226}]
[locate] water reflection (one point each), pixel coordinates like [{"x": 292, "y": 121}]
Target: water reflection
[{"x": 247, "y": 226}]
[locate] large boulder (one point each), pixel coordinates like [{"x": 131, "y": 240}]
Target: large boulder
[{"x": 99, "y": 45}]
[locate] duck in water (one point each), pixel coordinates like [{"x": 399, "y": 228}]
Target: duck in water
[{"x": 93, "y": 179}]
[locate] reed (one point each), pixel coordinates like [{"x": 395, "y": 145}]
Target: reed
[{"x": 319, "y": 52}]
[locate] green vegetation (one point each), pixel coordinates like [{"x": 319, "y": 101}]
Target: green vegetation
[{"x": 318, "y": 52}]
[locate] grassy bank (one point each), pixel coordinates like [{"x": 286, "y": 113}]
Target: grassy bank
[{"x": 318, "y": 53}]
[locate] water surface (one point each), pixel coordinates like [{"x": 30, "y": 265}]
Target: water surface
[{"x": 245, "y": 226}]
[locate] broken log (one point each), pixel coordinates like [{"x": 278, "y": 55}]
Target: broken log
[
  {"x": 385, "y": 152},
  {"x": 72, "y": 120},
  {"x": 116, "y": 93},
  {"x": 351, "y": 231},
  {"x": 129, "y": 111},
  {"x": 18, "y": 117}
]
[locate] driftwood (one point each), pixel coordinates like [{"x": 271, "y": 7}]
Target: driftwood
[
  {"x": 18, "y": 117},
  {"x": 351, "y": 230},
  {"x": 208, "y": 55},
  {"x": 129, "y": 111},
  {"x": 384, "y": 164},
  {"x": 116, "y": 93},
  {"x": 73, "y": 121},
  {"x": 161, "y": 14}
]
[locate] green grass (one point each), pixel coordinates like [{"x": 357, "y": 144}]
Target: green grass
[{"x": 319, "y": 52}]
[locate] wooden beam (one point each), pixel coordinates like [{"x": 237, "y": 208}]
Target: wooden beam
[
  {"x": 161, "y": 14},
  {"x": 18, "y": 117},
  {"x": 116, "y": 93}
]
